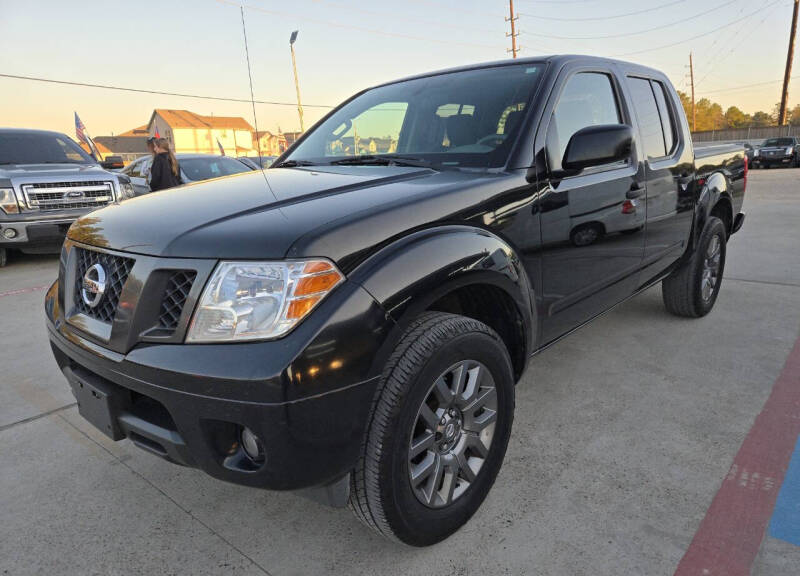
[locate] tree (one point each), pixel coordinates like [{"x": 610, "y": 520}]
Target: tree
[
  {"x": 762, "y": 118},
  {"x": 794, "y": 116},
  {"x": 735, "y": 118}
]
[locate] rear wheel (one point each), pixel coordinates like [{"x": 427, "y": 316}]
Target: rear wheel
[
  {"x": 438, "y": 433},
  {"x": 3, "y": 257},
  {"x": 691, "y": 290}
]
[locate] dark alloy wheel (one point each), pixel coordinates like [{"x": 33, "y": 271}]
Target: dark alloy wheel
[
  {"x": 692, "y": 288},
  {"x": 438, "y": 431}
]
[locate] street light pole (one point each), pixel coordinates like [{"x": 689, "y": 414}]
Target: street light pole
[{"x": 296, "y": 82}]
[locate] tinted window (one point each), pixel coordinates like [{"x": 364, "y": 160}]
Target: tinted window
[
  {"x": 667, "y": 121},
  {"x": 469, "y": 118},
  {"x": 40, "y": 148},
  {"x": 650, "y": 130},
  {"x": 211, "y": 167},
  {"x": 779, "y": 142},
  {"x": 587, "y": 100}
]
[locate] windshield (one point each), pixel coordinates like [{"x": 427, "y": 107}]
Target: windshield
[
  {"x": 778, "y": 142},
  {"x": 212, "y": 167},
  {"x": 40, "y": 148},
  {"x": 468, "y": 118}
]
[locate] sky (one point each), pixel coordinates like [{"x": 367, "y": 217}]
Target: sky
[{"x": 196, "y": 47}]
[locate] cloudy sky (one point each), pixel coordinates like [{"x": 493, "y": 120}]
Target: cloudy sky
[{"x": 196, "y": 47}]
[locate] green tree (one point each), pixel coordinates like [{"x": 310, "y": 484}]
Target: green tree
[
  {"x": 735, "y": 118},
  {"x": 794, "y": 116},
  {"x": 762, "y": 118}
]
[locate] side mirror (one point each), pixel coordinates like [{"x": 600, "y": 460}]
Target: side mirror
[
  {"x": 112, "y": 163},
  {"x": 596, "y": 145}
]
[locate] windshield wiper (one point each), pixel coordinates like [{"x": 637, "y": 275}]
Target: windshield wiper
[
  {"x": 293, "y": 164},
  {"x": 389, "y": 160}
]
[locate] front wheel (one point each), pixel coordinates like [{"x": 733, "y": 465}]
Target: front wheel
[
  {"x": 691, "y": 289},
  {"x": 438, "y": 433}
]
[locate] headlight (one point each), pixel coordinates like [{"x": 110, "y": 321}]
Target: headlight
[
  {"x": 8, "y": 201},
  {"x": 789, "y": 150},
  {"x": 260, "y": 300},
  {"x": 126, "y": 190}
]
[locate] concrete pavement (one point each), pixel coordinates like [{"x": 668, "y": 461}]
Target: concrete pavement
[{"x": 623, "y": 434}]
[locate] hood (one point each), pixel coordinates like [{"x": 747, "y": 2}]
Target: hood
[
  {"x": 50, "y": 172},
  {"x": 325, "y": 211}
]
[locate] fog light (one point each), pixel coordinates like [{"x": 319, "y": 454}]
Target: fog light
[
  {"x": 252, "y": 445},
  {"x": 9, "y": 233}
]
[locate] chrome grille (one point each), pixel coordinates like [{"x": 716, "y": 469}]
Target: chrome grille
[
  {"x": 68, "y": 195},
  {"x": 116, "y": 268},
  {"x": 178, "y": 287}
]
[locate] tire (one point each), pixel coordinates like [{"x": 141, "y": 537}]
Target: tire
[
  {"x": 429, "y": 510},
  {"x": 3, "y": 257},
  {"x": 691, "y": 290}
]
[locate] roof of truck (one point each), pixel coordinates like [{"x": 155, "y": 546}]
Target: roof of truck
[{"x": 557, "y": 59}]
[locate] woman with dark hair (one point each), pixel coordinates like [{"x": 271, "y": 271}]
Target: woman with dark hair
[{"x": 166, "y": 172}]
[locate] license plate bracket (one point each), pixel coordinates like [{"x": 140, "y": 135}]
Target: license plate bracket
[{"x": 100, "y": 402}]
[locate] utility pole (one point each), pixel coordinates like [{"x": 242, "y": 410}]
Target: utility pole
[
  {"x": 514, "y": 33},
  {"x": 296, "y": 82},
  {"x": 788, "y": 73},
  {"x": 691, "y": 77}
]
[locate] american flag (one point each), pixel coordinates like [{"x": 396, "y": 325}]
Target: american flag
[{"x": 83, "y": 136}]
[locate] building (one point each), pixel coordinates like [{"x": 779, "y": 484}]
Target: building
[
  {"x": 270, "y": 144},
  {"x": 188, "y": 132},
  {"x": 129, "y": 145},
  {"x": 291, "y": 137},
  {"x": 100, "y": 148}
]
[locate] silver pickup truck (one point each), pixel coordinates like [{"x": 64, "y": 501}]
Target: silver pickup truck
[{"x": 46, "y": 182}]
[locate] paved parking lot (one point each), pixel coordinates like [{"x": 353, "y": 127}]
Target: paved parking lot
[{"x": 624, "y": 433}]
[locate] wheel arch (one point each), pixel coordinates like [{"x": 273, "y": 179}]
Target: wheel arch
[
  {"x": 457, "y": 269},
  {"x": 714, "y": 200}
]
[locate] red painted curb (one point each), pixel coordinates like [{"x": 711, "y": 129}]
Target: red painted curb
[
  {"x": 728, "y": 539},
  {"x": 23, "y": 291}
]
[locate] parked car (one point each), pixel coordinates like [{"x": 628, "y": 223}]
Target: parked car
[
  {"x": 784, "y": 151},
  {"x": 194, "y": 168},
  {"x": 354, "y": 324},
  {"x": 258, "y": 162},
  {"x": 46, "y": 182}
]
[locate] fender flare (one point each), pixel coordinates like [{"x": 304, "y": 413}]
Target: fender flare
[
  {"x": 407, "y": 276},
  {"x": 715, "y": 188}
]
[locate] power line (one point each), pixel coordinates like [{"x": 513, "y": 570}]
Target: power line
[
  {"x": 707, "y": 33},
  {"x": 158, "y": 92},
  {"x": 646, "y": 30},
  {"x": 358, "y": 28},
  {"x": 597, "y": 18},
  {"x": 720, "y": 55},
  {"x": 732, "y": 88}
]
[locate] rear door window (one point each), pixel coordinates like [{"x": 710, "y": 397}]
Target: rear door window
[
  {"x": 650, "y": 128},
  {"x": 667, "y": 119}
]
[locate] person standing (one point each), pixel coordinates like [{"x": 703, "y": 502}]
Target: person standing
[{"x": 166, "y": 172}]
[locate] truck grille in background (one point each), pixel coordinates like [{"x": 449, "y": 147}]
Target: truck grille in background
[
  {"x": 117, "y": 269},
  {"x": 68, "y": 195},
  {"x": 178, "y": 287}
]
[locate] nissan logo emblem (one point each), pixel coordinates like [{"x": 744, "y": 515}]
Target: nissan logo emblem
[{"x": 94, "y": 285}]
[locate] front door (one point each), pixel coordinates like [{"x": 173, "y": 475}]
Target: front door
[{"x": 592, "y": 222}]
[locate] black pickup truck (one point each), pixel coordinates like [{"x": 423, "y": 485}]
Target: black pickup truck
[{"x": 353, "y": 321}]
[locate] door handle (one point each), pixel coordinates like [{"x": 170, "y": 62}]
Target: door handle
[{"x": 636, "y": 191}]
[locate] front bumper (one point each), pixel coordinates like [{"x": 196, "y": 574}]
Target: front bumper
[
  {"x": 774, "y": 160},
  {"x": 306, "y": 396},
  {"x": 35, "y": 234}
]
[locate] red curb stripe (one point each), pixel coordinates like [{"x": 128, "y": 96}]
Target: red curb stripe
[
  {"x": 730, "y": 535},
  {"x": 24, "y": 290}
]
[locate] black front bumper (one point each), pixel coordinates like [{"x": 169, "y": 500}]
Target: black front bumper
[{"x": 306, "y": 396}]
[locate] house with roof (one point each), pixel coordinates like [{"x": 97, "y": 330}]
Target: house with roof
[
  {"x": 189, "y": 132},
  {"x": 270, "y": 144},
  {"x": 129, "y": 145},
  {"x": 100, "y": 148}
]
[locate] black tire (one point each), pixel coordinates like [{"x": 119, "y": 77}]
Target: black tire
[
  {"x": 382, "y": 496},
  {"x": 683, "y": 290},
  {"x": 3, "y": 257}
]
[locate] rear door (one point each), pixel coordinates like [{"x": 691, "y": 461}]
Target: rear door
[
  {"x": 669, "y": 171},
  {"x": 592, "y": 231}
]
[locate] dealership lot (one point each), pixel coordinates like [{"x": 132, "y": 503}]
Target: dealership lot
[{"x": 623, "y": 434}]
